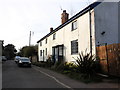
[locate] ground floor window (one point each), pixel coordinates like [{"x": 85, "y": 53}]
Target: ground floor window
[
  {"x": 40, "y": 52},
  {"x": 46, "y": 51},
  {"x": 74, "y": 47}
]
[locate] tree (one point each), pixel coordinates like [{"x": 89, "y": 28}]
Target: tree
[
  {"x": 28, "y": 51},
  {"x": 9, "y": 51}
]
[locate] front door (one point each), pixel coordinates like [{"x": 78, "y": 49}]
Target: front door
[
  {"x": 57, "y": 53},
  {"x": 43, "y": 55}
]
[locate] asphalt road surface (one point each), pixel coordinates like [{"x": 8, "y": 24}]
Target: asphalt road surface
[
  {"x": 24, "y": 77},
  {"x": 39, "y": 78}
]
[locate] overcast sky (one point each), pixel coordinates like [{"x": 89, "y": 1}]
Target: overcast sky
[{"x": 19, "y": 17}]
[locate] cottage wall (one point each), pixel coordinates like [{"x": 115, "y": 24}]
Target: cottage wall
[{"x": 65, "y": 35}]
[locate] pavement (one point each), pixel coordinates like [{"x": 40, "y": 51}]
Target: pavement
[{"x": 37, "y": 77}]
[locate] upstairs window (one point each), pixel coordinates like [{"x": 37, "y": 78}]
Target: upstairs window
[
  {"x": 46, "y": 41},
  {"x": 54, "y": 36},
  {"x": 74, "y": 47},
  {"x": 40, "y": 43},
  {"x": 46, "y": 51},
  {"x": 74, "y": 25}
]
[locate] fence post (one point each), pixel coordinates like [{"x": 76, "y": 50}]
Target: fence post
[{"x": 107, "y": 57}]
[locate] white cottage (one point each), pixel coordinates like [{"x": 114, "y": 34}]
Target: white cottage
[{"x": 94, "y": 25}]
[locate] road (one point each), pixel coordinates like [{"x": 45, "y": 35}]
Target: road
[
  {"x": 36, "y": 77},
  {"x": 23, "y": 77}
]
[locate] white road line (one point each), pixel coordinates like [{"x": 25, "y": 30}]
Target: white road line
[{"x": 54, "y": 79}]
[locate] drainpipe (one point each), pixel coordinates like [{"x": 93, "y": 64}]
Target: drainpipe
[{"x": 90, "y": 32}]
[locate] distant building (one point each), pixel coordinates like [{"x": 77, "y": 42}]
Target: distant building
[
  {"x": 94, "y": 25},
  {"x": 1, "y": 44}
]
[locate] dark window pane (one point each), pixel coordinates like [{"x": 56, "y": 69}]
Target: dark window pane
[
  {"x": 46, "y": 41},
  {"x": 40, "y": 52},
  {"x": 46, "y": 51},
  {"x": 54, "y": 36},
  {"x": 74, "y": 47},
  {"x": 40, "y": 43}
]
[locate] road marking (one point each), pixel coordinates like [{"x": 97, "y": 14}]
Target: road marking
[{"x": 54, "y": 79}]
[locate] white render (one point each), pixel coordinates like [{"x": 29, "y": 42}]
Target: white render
[
  {"x": 104, "y": 17},
  {"x": 65, "y": 36}
]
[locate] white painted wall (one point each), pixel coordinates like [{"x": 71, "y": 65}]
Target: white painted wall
[
  {"x": 65, "y": 36},
  {"x": 106, "y": 19}
]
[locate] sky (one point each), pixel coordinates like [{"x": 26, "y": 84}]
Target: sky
[{"x": 19, "y": 17}]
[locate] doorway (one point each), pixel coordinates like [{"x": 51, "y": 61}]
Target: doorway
[{"x": 57, "y": 53}]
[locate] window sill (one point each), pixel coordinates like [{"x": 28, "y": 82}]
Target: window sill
[
  {"x": 73, "y": 29},
  {"x": 74, "y": 54}
]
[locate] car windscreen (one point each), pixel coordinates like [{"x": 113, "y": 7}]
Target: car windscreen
[
  {"x": 25, "y": 60},
  {"x": 17, "y": 57}
]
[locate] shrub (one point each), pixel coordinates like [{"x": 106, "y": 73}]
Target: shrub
[
  {"x": 49, "y": 63},
  {"x": 58, "y": 66},
  {"x": 86, "y": 64},
  {"x": 70, "y": 67}
]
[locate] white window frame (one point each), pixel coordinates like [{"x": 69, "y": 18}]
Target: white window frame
[{"x": 74, "y": 25}]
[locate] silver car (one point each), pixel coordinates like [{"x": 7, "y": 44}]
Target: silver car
[
  {"x": 17, "y": 59},
  {"x": 4, "y": 58},
  {"x": 23, "y": 61}
]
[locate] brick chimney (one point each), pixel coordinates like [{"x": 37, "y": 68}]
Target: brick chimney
[
  {"x": 51, "y": 29},
  {"x": 64, "y": 16}
]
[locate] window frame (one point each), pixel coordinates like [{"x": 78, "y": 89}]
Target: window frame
[
  {"x": 40, "y": 52},
  {"x": 46, "y": 41},
  {"x": 54, "y": 36},
  {"x": 46, "y": 51},
  {"x": 41, "y": 43},
  {"x": 74, "y": 25},
  {"x": 74, "y": 47}
]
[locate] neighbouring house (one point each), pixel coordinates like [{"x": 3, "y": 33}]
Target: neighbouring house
[
  {"x": 1, "y": 45},
  {"x": 95, "y": 28}
]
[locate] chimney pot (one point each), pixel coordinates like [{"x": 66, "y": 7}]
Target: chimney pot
[
  {"x": 64, "y": 11},
  {"x": 51, "y": 29}
]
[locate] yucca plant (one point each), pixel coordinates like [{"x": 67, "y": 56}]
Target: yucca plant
[{"x": 86, "y": 64}]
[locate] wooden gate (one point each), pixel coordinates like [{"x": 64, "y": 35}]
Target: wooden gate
[{"x": 109, "y": 58}]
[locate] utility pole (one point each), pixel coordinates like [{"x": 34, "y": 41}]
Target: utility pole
[{"x": 30, "y": 39}]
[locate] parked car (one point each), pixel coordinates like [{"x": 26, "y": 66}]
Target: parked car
[
  {"x": 4, "y": 58},
  {"x": 17, "y": 59},
  {"x": 0, "y": 59},
  {"x": 23, "y": 61}
]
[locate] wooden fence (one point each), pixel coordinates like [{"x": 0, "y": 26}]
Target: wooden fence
[{"x": 109, "y": 58}]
